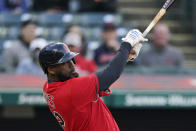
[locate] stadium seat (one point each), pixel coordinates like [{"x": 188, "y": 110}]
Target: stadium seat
[
  {"x": 1, "y": 45},
  {"x": 122, "y": 31},
  {"x": 43, "y": 32},
  {"x": 52, "y": 33},
  {"x": 54, "y": 19},
  {"x": 56, "y": 32},
  {"x": 92, "y": 33},
  {"x": 14, "y": 32},
  {"x": 9, "y": 32},
  {"x": 10, "y": 18},
  {"x": 1, "y": 51},
  {"x": 3, "y": 32},
  {"x": 95, "y": 19}
]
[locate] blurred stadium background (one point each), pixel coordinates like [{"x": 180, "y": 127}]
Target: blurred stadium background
[{"x": 143, "y": 99}]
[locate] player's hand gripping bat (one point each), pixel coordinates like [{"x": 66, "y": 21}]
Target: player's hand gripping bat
[{"x": 159, "y": 15}]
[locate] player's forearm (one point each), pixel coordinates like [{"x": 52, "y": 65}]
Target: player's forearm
[{"x": 112, "y": 72}]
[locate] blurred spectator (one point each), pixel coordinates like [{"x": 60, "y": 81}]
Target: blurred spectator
[
  {"x": 17, "y": 50},
  {"x": 106, "y": 52},
  {"x": 83, "y": 65},
  {"x": 15, "y": 6},
  {"x": 160, "y": 53},
  {"x": 52, "y": 6},
  {"x": 77, "y": 29},
  {"x": 98, "y": 5},
  {"x": 31, "y": 66}
]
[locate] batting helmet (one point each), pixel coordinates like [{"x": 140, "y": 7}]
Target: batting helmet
[{"x": 55, "y": 53}]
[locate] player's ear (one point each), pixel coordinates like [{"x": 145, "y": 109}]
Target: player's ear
[{"x": 51, "y": 70}]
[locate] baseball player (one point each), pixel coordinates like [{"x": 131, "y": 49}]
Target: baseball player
[{"x": 75, "y": 101}]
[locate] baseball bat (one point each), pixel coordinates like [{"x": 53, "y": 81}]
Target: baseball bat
[{"x": 159, "y": 15}]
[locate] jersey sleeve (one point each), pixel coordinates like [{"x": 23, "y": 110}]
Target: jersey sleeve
[
  {"x": 84, "y": 90},
  {"x": 105, "y": 93}
]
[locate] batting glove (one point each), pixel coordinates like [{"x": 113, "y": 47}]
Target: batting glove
[
  {"x": 136, "y": 50},
  {"x": 133, "y": 37}
]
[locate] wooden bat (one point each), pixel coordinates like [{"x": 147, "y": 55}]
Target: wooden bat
[{"x": 159, "y": 15}]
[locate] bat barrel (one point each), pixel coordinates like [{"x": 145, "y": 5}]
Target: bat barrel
[{"x": 167, "y": 4}]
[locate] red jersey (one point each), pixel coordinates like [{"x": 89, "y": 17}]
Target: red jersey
[{"x": 77, "y": 106}]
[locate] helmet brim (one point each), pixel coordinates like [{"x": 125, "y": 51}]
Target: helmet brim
[{"x": 67, "y": 57}]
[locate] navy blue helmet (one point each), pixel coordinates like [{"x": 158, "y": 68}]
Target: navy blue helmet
[{"x": 55, "y": 53}]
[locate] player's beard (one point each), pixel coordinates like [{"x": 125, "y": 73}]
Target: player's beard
[{"x": 64, "y": 77}]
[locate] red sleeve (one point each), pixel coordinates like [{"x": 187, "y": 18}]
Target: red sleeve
[{"x": 84, "y": 90}]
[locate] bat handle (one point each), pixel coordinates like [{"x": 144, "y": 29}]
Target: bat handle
[
  {"x": 154, "y": 22},
  {"x": 146, "y": 32},
  {"x": 149, "y": 28}
]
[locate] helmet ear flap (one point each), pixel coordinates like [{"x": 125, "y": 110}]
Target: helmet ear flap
[
  {"x": 46, "y": 70},
  {"x": 74, "y": 61}
]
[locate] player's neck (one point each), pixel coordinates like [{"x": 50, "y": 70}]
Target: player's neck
[{"x": 52, "y": 79}]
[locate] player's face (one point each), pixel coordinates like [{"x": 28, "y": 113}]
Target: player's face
[{"x": 65, "y": 71}]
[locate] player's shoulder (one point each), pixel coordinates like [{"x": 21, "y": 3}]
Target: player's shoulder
[
  {"x": 57, "y": 88},
  {"x": 89, "y": 80},
  {"x": 68, "y": 84},
  {"x": 82, "y": 78}
]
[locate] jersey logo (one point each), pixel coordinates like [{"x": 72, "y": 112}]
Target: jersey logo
[
  {"x": 59, "y": 119},
  {"x": 49, "y": 100}
]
